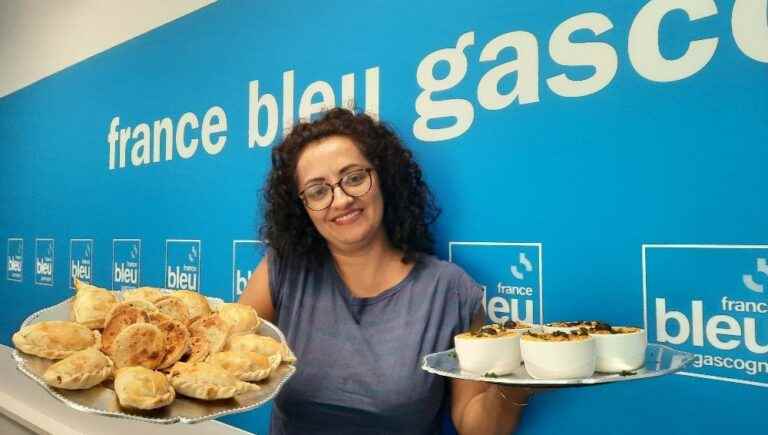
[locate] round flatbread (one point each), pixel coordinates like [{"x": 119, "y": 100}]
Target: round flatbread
[
  {"x": 197, "y": 304},
  {"x": 214, "y": 329},
  {"x": 173, "y": 307},
  {"x": 176, "y": 342},
  {"x": 123, "y": 315},
  {"x": 140, "y": 344}
]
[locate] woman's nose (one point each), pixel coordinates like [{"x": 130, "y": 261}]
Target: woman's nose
[{"x": 340, "y": 200}]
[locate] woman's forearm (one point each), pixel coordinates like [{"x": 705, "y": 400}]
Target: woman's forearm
[{"x": 496, "y": 411}]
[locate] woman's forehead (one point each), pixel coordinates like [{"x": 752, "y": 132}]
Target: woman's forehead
[{"x": 328, "y": 157}]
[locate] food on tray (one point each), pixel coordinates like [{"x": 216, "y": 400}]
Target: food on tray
[
  {"x": 173, "y": 307},
  {"x": 261, "y": 344},
  {"x": 142, "y": 388},
  {"x": 570, "y": 326},
  {"x": 197, "y": 304},
  {"x": 206, "y": 381},
  {"x": 177, "y": 333},
  {"x": 140, "y": 344},
  {"x": 558, "y": 355},
  {"x": 242, "y": 318},
  {"x": 246, "y": 366},
  {"x": 91, "y": 305},
  {"x": 79, "y": 371},
  {"x": 491, "y": 350},
  {"x": 55, "y": 339},
  {"x": 619, "y": 348},
  {"x": 149, "y": 294},
  {"x": 176, "y": 342},
  {"x": 122, "y": 315},
  {"x": 213, "y": 329}
]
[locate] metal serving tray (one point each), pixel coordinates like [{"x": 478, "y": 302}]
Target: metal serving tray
[
  {"x": 102, "y": 399},
  {"x": 659, "y": 360}
]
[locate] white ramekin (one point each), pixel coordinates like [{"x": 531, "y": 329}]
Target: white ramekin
[
  {"x": 620, "y": 352},
  {"x": 559, "y": 359},
  {"x": 482, "y": 355}
]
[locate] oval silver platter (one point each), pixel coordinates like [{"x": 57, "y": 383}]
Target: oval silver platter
[
  {"x": 102, "y": 399},
  {"x": 659, "y": 360}
]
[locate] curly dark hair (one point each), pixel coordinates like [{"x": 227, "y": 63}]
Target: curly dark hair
[{"x": 409, "y": 206}]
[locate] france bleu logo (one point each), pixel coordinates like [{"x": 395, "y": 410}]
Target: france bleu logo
[
  {"x": 712, "y": 301},
  {"x": 182, "y": 264},
  {"x": 510, "y": 274},
  {"x": 44, "y": 261},
  {"x": 246, "y": 255},
  {"x": 126, "y": 263},
  {"x": 80, "y": 261},
  {"x": 15, "y": 263}
]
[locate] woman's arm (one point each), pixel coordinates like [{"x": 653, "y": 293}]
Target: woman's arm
[
  {"x": 257, "y": 293},
  {"x": 480, "y": 408}
]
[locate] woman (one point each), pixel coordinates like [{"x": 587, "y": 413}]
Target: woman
[{"x": 350, "y": 281}]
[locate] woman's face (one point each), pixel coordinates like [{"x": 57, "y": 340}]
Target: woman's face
[{"x": 350, "y": 223}]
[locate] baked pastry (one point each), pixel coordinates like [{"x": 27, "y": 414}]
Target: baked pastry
[
  {"x": 149, "y": 294},
  {"x": 261, "y": 344},
  {"x": 197, "y": 304},
  {"x": 173, "y": 307},
  {"x": 246, "y": 366},
  {"x": 82, "y": 285},
  {"x": 176, "y": 341},
  {"x": 122, "y": 315},
  {"x": 142, "y": 388},
  {"x": 140, "y": 344},
  {"x": 91, "y": 305},
  {"x": 55, "y": 339},
  {"x": 212, "y": 328},
  {"x": 79, "y": 371},
  {"x": 199, "y": 349},
  {"x": 206, "y": 381},
  {"x": 242, "y": 318}
]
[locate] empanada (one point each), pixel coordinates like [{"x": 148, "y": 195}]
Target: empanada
[
  {"x": 149, "y": 294},
  {"x": 214, "y": 329},
  {"x": 173, "y": 307},
  {"x": 176, "y": 341},
  {"x": 206, "y": 381},
  {"x": 199, "y": 349},
  {"x": 121, "y": 316},
  {"x": 197, "y": 304},
  {"x": 140, "y": 387},
  {"x": 242, "y": 318},
  {"x": 91, "y": 306},
  {"x": 246, "y": 366},
  {"x": 140, "y": 344},
  {"x": 55, "y": 339},
  {"x": 264, "y": 345},
  {"x": 79, "y": 371}
]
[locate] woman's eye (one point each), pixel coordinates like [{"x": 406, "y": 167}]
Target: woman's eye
[
  {"x": 316, "y": 192},
  {"x": 354, "y": 179}
]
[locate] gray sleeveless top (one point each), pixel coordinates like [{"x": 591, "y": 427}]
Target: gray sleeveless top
[{"x": 359, "y": 359}]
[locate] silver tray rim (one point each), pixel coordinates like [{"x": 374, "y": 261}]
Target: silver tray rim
[
  {"x": 596, "y": 379},
  {"x": 214, "y": 302}
]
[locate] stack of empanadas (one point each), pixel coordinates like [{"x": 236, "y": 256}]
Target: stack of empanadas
[{"x": 155, "y": 343}]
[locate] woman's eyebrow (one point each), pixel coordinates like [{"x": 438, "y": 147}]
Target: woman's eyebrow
[{"x": 341, "y": 171}]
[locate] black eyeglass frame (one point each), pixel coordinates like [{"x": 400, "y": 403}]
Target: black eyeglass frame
[{"x": 333, "y": 189}]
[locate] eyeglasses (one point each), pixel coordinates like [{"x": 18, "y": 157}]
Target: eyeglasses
[{"x": 320, "y": 196}]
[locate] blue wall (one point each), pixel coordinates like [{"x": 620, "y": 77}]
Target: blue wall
[{"x": 656, "y": 154}]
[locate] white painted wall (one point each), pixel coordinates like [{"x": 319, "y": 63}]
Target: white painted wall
[{"x": 41, "y": 37}]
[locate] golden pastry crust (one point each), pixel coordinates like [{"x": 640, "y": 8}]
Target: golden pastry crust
[
  {"x": 242, "y": 318},
  {"x": 214, "y": 329},
  {"x": 81, "y": 370},
  {"x": 197, "y": 304},
  {"x": 142, "y": 388},
  {"x": 55, "y": 339},
  {"x": 261, "y": 344},
  {"x": 140, "y": 344},
  {"x": 122, "y": 315},
  {"x": 173, "y": 307},
  {"x": 82, "y": 285},
  {"x": 246, "y": 366},
  {"x": 149, "y": 294},
  {"x": 199, "y": 349},
  {"x": 91, "y": 306},
  {"x": 206, "y": 381},
  {"x": 176, "y": 342}
]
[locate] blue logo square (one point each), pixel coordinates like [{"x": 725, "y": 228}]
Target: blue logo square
[
  {"x": 182, "y": 264},
  {"x": 246, "y": 255},
  {"x": 126, "y": 263},
  {"x": 44, "y": 261},
  {"x": 80, "y": 261},
  {"x": 15, "y": 262}
]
